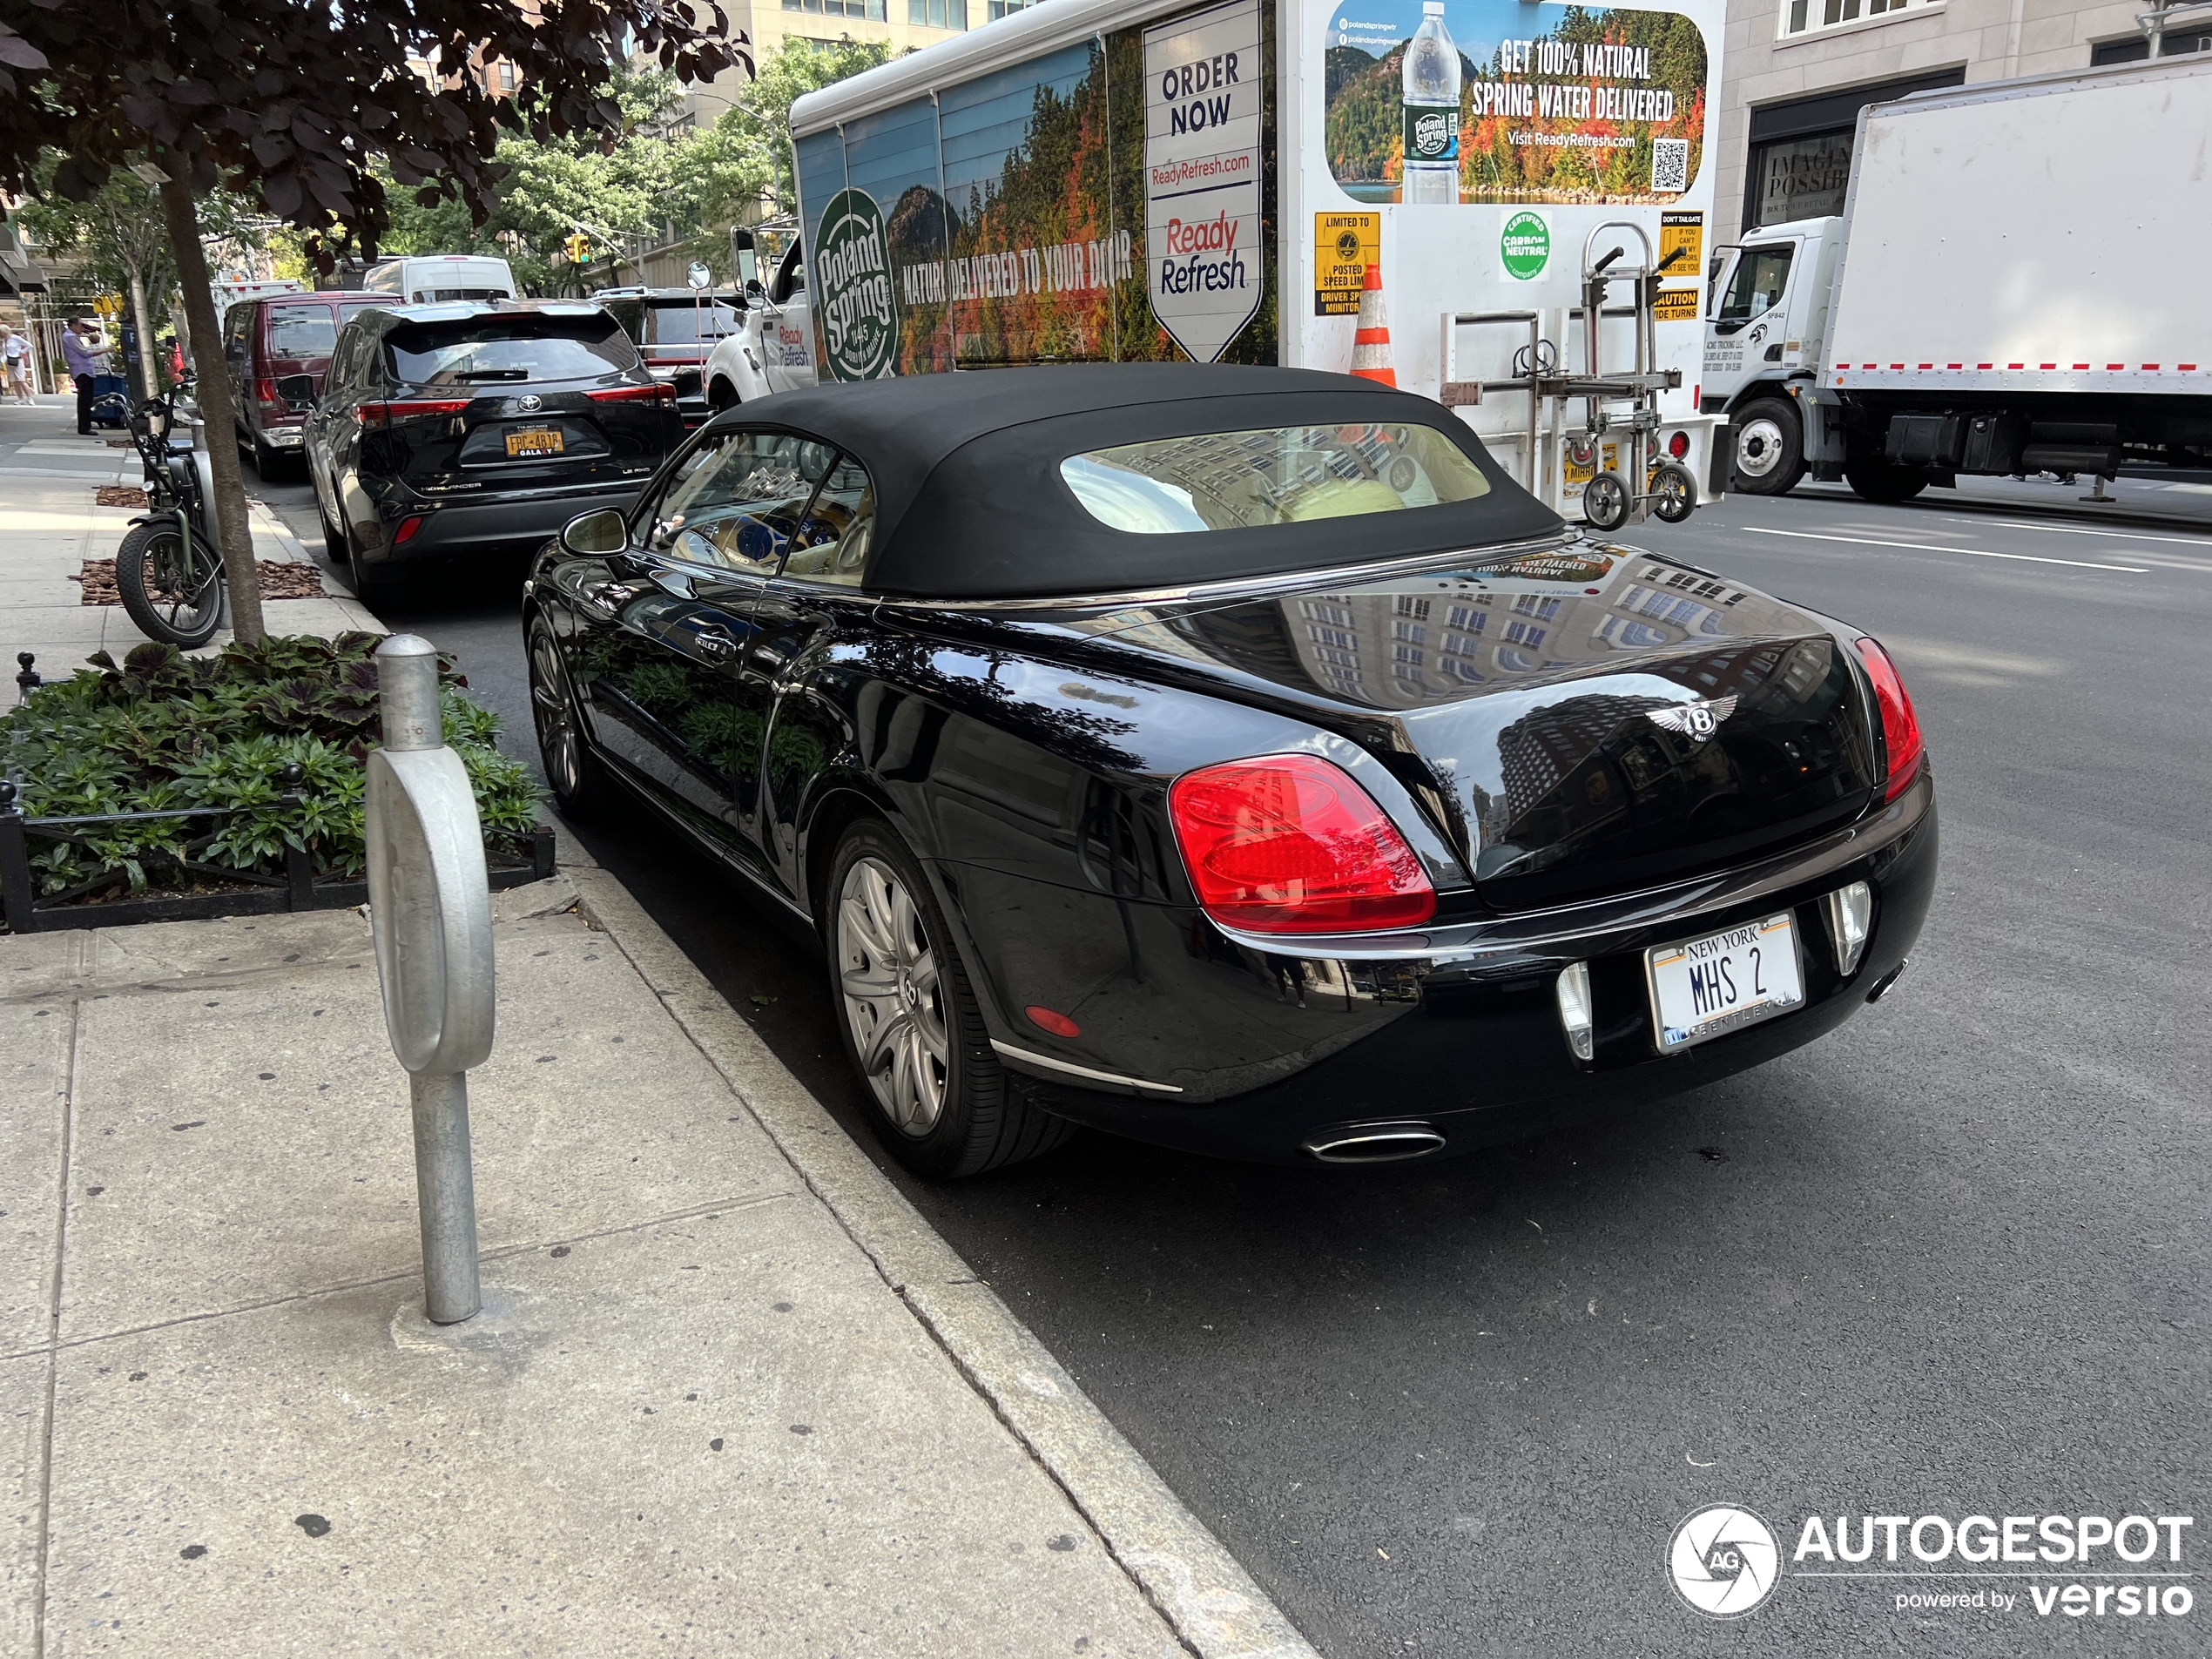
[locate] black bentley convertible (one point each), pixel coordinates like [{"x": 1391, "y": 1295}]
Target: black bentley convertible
[{"x": 1233, "y": 758}]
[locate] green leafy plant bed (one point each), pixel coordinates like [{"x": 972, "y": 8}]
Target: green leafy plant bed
[{"x": 175, "y": 786}]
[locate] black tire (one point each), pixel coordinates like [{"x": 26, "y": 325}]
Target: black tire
[
  {"x": 581, "y": 789},
  {"x": 1676, "y": 492},
  {"x": 719, "y": 397},
  {"x": 1769, "y": 446},
  {"x": 1876, "y": 479},
  {"x": 333, "y": 540},
  {"x": 266, "y": 463},
  {"x": 938, "y": 1099},
  {"x": 367, "y": 578},
  {"x": 1605, "y": 502},
  {"x": 163, "y": 599}
]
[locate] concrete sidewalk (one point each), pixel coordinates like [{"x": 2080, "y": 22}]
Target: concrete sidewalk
[
  {"x": 51, "y": 524},
  {"x": 729, "y": 1395}
]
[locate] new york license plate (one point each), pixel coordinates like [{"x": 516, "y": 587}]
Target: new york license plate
[
  {"x": 533, "y": 441},
  {"x": 1705, "y": 987}
]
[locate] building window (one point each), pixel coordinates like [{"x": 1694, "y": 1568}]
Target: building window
[
  {"x": 1007, "y": 8},
  {"x": 2136, "y": 48},
  {"x": 871, "y": 10},
  {"x": 1810, "y": 17},
  {"x": 937, "y": 14},
  {"x": 506, "y": 76},
  {"x": 1800, "y": 151}
]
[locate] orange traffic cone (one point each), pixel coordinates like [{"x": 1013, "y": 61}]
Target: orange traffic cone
[{"x": 1371, "y": 345}]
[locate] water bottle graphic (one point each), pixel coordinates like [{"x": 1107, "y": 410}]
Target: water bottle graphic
[{"x": 1431, "y": 99}]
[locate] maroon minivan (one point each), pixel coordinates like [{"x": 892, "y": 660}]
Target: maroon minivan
[{"x": 267, "y": 338}]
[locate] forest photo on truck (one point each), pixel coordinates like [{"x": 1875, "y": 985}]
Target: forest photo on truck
[
  {"x": 1014, "y": 208},
  {"x": 1605, "y": 106}
]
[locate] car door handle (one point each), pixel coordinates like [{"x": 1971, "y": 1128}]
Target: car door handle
[{"x": 716, "y": 644}]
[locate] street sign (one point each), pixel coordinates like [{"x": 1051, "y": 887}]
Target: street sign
[{"x": 699, "y": 276}]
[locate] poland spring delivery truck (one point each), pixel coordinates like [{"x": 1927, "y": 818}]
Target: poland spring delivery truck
[
  {"x": 2016, "y": 284},
  {"x": 1119, "y": 180}
]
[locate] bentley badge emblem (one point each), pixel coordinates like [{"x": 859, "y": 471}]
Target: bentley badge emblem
[
  {"x": 1697, "y": 720},
  {"x": 530, "y": 400}
]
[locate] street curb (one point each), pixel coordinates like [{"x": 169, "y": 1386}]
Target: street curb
[{"x": 1211, "y": 1603}]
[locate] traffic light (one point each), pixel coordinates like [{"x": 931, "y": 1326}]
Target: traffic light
[{"x": 579, "y": 248}]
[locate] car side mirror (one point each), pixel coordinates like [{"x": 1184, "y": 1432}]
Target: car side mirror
[
  {"x": 596, "y": 534},
  {"x": 296, "y": 390}
]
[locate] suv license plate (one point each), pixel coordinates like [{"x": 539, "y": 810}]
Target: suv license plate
[
  {"x": 536, "y": 441},
  {"x": 1705, "y": 987}
]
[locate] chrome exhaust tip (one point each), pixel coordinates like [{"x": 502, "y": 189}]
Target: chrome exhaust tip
[
  {"x": 1375, "y": 1143},
  {"x": 1882, "y": 986}
]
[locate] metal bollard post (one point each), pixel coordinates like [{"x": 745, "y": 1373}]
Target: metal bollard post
[{"x": 430, "y": 905}]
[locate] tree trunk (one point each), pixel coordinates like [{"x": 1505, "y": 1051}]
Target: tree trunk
[
  {"x": 215, "y": 405},
  {"x": 143, "y": 313}
]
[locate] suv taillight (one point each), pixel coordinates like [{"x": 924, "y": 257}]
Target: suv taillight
[
  {"x": 656, "y": 393},
  {"x": 1290, "y": 844},
  {"x": 265, "y": 393},
  {"x": 382, "y": 415},
  {"x": 1902, "y": 744}
]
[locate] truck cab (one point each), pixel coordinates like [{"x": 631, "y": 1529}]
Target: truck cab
[
  {"x": 1766, "y": 314},
  {"x": 773, "y": 349}
]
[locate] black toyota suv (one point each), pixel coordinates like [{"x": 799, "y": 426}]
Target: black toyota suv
[{"x": 453, "y": 427}]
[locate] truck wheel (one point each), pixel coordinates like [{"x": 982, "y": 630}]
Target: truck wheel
[
  {"x": 1876, "y": 479},
  {"x": 1770, "y": 447}
]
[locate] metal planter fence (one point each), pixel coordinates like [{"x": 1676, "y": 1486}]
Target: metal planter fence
[{"x": 242, "y": 893}]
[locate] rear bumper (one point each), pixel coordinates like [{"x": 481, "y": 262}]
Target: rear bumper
[
  {"x": 486, "y": 522},
  {"x": 1255, "y": 1050}
]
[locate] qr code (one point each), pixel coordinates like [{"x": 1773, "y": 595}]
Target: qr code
[{"x": 1670, "y": 164}]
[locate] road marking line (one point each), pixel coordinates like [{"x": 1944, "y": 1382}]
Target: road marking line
[
  {"x": 2204, "y": 541},
  {"x": 1930, "y": 547}
]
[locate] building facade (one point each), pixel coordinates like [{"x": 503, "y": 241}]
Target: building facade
[
  {"x": 1795, "y": 73},
  {"x": 904, "y": 25}
]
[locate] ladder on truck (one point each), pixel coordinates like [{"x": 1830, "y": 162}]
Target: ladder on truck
[{"x": 1620, "y": 407}]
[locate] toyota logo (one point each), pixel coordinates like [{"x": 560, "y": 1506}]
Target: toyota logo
[{"x": 530, "y": 400}]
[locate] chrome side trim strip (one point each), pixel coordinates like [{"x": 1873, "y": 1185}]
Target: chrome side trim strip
[
  {"x": 1280, "y": 582},
  {"x": 1073, "y": 1071}
]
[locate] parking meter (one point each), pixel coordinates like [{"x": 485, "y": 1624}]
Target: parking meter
[{"x": 431, "y": 907}]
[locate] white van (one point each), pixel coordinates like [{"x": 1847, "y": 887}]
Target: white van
[{"x": 426, "y": 277}]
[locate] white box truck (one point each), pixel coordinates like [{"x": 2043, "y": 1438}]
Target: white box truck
[
  {"x": 2015, "y": 286},
  {"x": 1150, "y": 180}
]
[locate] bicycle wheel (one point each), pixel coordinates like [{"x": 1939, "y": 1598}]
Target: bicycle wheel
[{"x": 168, "y": 597}]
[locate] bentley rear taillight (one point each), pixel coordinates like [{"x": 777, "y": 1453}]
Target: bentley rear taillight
[
  {"x": 1290, "y": 844},
  {"x": 1901, "y": 741}
]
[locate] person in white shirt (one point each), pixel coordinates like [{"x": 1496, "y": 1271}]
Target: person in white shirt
[{"x": 14, "y": 357}]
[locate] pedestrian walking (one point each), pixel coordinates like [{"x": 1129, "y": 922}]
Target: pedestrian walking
[
  {"x": 85, "y": 349},
  {"x": 15, "y": 357}
]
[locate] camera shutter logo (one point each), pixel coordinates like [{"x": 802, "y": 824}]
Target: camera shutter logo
[{"x": 1724, "y": 1560}]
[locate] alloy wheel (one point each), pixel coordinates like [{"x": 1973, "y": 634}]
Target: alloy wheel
[
  {"x": 894, "y": 1001},
  {"x": 556, "y": 733}
]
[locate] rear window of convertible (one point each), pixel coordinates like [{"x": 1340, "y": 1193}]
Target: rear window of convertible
[{"x": 1222, "y": 481}]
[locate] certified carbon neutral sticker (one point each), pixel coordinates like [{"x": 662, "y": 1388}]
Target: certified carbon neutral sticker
[{"x": 1525, "y": 247}]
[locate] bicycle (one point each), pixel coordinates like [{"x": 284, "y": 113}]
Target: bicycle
[{"x": 168, "y": 570}]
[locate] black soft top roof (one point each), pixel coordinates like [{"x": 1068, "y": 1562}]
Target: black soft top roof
[{"x": 970, "y": 503}]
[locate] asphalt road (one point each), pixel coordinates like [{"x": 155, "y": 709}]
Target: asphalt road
[{"x": 1952, "y": 1260}]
